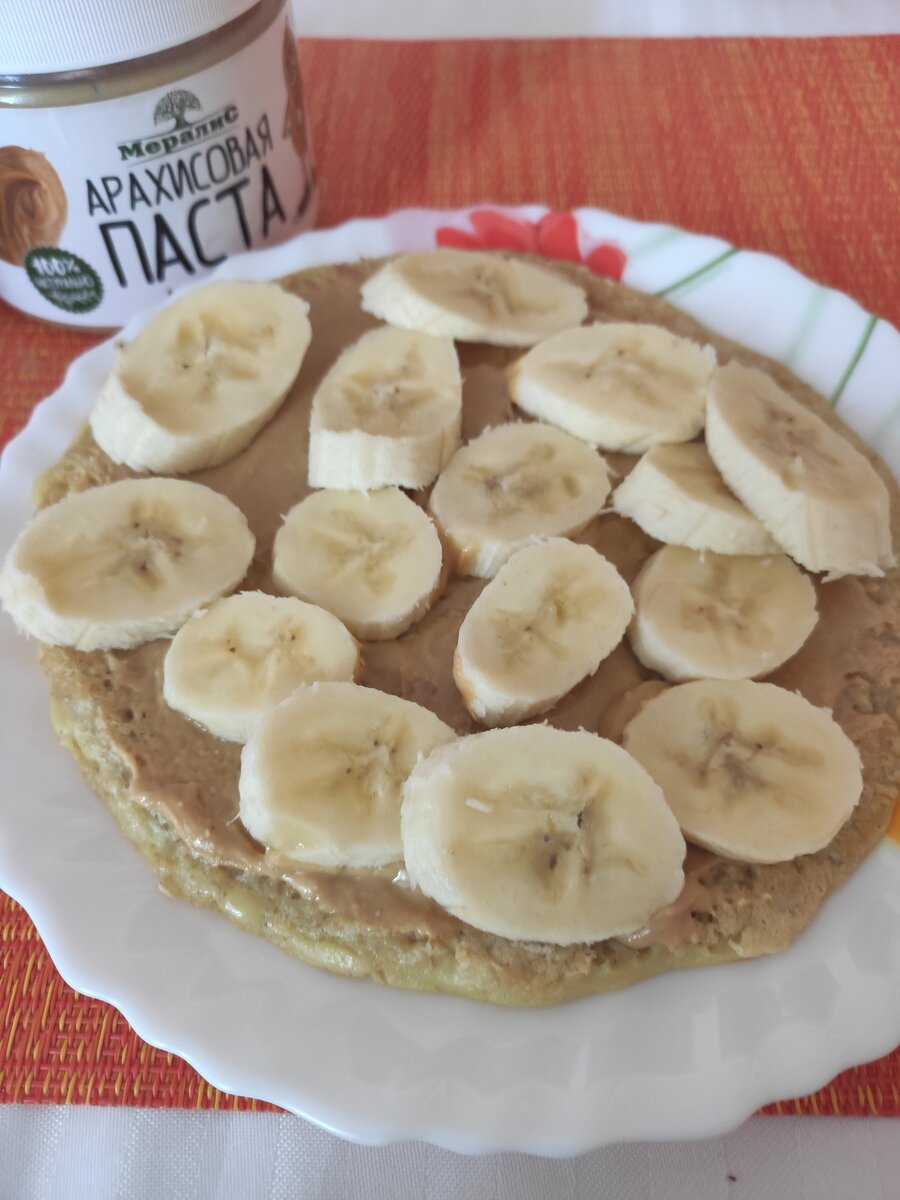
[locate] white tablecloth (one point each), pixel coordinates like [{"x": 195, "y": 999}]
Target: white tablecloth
[{"x": 49, "y": 1153}]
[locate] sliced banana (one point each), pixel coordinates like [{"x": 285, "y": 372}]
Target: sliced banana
[
  {"x": 473, "y": 297},
  {"x": 751, "y": 771},
  {"x": 229, "y": 665},
  {"x": 202, "y": 378},
  {"x": 322, "y": 776},
  {"x": 616, "y": 385},
  {"x": 373, "y": 559},
  {"x": 816, "y": 495},
  {"x": 388, "y": 412},
  {"x": 544, "y": 623},
  {"x": 512, "y": 485},
  {"x": 123, "y": 564},
  {"x": 539, "y": 834},
  {"x": 676, "y": 495},
  {"x": 719, "y": 616}
]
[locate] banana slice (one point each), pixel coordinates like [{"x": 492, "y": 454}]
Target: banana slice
[
  {"x": 125, "y": 563},
  {"x": 751, "y": 771},
  {"x": 388, "y": 412},
  {"x": 817, "y": 496},
  {"x": 719, "y": 616},
  {"x": 512, "y": 485},
  {"x": 228, "y": 666},
  {"x": 322, "y": 776},
  {"x": 202, "y": 378},
  {"x": 547, "y": 620},
  {"x": 677, "y": 496},
  {"x": 473, "y": 297},
  {"x": 616, "y": 385},
  {"x": 542, "y": 835},
  {"x": 373, "y": 559}
]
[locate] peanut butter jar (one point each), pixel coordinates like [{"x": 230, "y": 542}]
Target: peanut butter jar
[{"x": 141, "y": 145}]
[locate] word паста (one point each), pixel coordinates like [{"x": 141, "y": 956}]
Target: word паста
[{"x": 223, "y": 170}]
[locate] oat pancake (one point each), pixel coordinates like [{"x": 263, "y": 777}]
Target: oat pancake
[{"x": 174, "y": 788}]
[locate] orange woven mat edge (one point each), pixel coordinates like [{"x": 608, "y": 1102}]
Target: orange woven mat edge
[{"x": 788, "y": 146}]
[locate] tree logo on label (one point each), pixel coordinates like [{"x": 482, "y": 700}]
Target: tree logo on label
[{"x": 173, "y": 106}]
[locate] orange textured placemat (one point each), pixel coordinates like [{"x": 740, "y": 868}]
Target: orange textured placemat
[{"x": 785, "y": 146}]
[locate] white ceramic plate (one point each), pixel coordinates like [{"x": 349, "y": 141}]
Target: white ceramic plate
[{"x": 688, "y": 1055}]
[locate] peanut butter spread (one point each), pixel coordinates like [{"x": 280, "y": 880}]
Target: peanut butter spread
[
  {"x": 178, "y": 772},
  {"x": 33, "y": 203}
]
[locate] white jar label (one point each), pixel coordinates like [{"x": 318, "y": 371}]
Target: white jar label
[{"x": 106, "y": 208}]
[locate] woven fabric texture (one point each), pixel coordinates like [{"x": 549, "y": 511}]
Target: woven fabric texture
[{"x": 785, "y": 146}]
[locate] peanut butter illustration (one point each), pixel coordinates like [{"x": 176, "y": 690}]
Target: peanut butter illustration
[{"x": 33, "y": 203}]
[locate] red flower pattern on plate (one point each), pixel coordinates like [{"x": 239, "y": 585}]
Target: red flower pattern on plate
[{"x": 554, "y": 236}]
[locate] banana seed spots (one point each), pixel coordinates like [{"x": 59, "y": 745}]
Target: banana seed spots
[
  {"x": 722, "y": 606},
  {"x": 535, "y": 482},
  {"x": 208, "y": 350},
  {"x": 223, "y": 360},
  {"x": 796, "y": 443},
  {"x": 329, "y": 789},
  {"x": 361, "y": 777},
  {"x": 354, "y": 546},
  {"x": 266, "y": 660},
  {"x": 492, "y": 293},
  {"x": 149, "y": 550},
  {"x": 561, "y": 860},
  {"x": 384, "y": 402},
  {"x": 564, "y": 837},
  {"x": 629, "y": 376},
  {"x": 139, "y": 557},
  {"x": 521, "y": 633},
  {"x": 741, "y": 764}
]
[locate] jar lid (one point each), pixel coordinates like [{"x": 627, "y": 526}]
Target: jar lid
[{"x": 75, "y": 35}]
